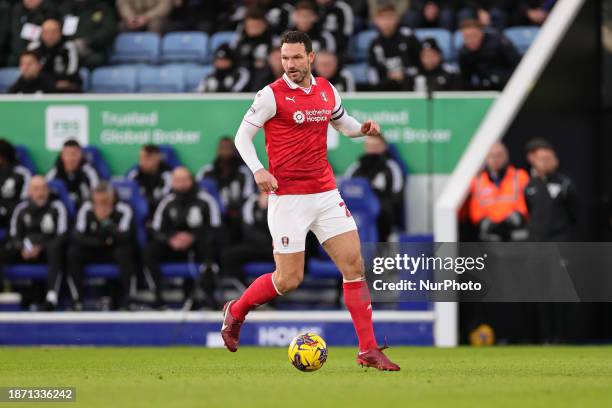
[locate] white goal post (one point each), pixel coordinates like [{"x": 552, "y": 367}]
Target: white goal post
[{"x": 493, "y": 127}]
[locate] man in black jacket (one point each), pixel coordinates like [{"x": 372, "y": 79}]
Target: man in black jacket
[
  {"x": 185, "y": 227},
  {"x": 72, "y": 168},
  {"x": 38, "y": 235},
  {"x": 386, "y": 179},
  {"x": 104, "y": 233},
  {"x": 432, "y": 72},
  {"x": 551, "y": 197},
  {"x": 32, "y": 80},
  {"x": 153, "y": 176},
  {"x": 337, "y": 18},
  {"x": 306, "y": 19},
  {"x": 255, "y": 41},
  {"x": 95, "y": 30},
  {"x": 327, "y": 65},
  {"x": 487, "y": 59},
  {"x": 489, "y": 13},
  {"x": 256, "y": 242},
  {"x": 431, "y": 14},
  {"x": 58, "y": 57},
  {"x": 26, "y": 19},
  {"x": 14, "y": 180},
  {"x": 394, "y": 54},
  {"x": 227, "y": 76}
]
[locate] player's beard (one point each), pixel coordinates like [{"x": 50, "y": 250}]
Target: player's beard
[{"x": 303, "y": 74}]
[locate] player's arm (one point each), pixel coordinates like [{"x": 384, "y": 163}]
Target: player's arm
[
  {"x": 263, "y": 109},
  {"x": 348, "y": 125}
]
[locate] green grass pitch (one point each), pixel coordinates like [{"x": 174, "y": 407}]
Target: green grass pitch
[{"x": 263, "y": 377}]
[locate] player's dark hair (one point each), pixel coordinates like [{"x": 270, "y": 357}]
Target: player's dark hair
[
  {"x": 7, "y": 151},
  {"x": 537, "y": 144},
  {"x": 297, "y": 37},
  {"x": 151, "y": 149},
  {"x": 71, "y": 143}
]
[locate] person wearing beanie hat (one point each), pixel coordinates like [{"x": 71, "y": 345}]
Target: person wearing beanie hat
[
  {"x": 226, "y": 77},
  {"x": 433, "y": 74}
]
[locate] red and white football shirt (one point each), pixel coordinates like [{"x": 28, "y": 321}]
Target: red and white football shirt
[{"x": 295, "y": 122}]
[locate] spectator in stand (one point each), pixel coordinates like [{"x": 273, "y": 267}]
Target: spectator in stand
[
  {"x": 489, "y": 13},
  {"x": 256, "y": 242},
  {"x": 144, "y": 15},
  {"x": 26, "y": 19},
  {"x": 185, "y": 228},
  {"x": 104, "y": 233},
  {"x": 532, "y": 12},
  {"x": 394, "y": 54},
  {"x": 199, "y": 15},
  {"x": 59, "y": 58},
  {"x": 227, "y": 76},
  {"x": 431, "y": 14},
  {"x": 401, "y": 6},
  {"x": 277, "y": 12},
  {"x": 487, "y": 59},
  {"x": 92, "y": 26},
  {"x": 32, "y": 80},
  {"x": 386, "y": 179},
  {"x": 433, "y": 74},
  {"x": 306, "y": 20},
  {"x": 255, "y": 41},
  {"x": 14, "y": 180},
  {"x": 551, "y": 196},
  {"x": 326, "y": 65},
  {"x": 497, "y": 202},
  {"x": 79, "y": 176},
  {"x": 338, "y": 19},
  {"x": 153, "y": 175},
  {"x": 234, "y": 181},
  {"x": 269, "y": 73},
  {"x": 38, "y": 235}
]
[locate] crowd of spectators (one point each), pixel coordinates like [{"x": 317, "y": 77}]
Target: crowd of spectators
[{"x": 65, "y": 35}]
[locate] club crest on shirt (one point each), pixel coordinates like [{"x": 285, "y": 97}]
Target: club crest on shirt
[
  {"x": 285, "y": 241},
  {"x": 194, "y": 218},
  {"x": 324, "y": 96},
  {"x": 47, "y": 224},
  {"x": 299, "y": 117}
]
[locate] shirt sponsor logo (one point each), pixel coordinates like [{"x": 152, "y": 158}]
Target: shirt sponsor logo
[
  {"x": 315, "y": 116},
  {"x": 298, "y": 117}
]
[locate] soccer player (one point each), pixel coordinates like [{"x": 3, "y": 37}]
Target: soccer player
[{"x": 295, "y": 112}]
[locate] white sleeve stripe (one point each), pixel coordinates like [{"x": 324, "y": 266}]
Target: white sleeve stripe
[
  {"x": 203, "y": 170},
  {"x": 27, "y": 176},
  {"x": 73, "y": 58},
  {"x": 351, "y": 170},
  {"x": 247, "y": 210},
  {"x": 330, "y": 41},
  {"x": 51, "y": 174},
  {"x": 20, "y": 207},
  {"x": 396, "y": 173},
  {"x": 213, "y": 208},
  {"x": 243, "y": 79},
  {"x": 62, "y": 216},
  {"x": 157, "y": 217},
  {"x": 92, "y": 175},
  {"x": 126, "y": 217},
  {"x": 167, "y": 177},
  {"x": 348, "y": 17},
  {"x": 82, "y": 216}
]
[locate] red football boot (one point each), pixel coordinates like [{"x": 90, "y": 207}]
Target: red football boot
[
  {"x": 377, "y": 359},
  {"x": 230, "y": 331}
]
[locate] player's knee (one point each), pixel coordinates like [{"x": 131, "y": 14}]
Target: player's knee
[
  {"x": 352, "y": 267},
  {"x": 286, "y": 284}
]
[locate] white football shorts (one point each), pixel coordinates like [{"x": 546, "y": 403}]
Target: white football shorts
[{"x": 291, "y": 216}]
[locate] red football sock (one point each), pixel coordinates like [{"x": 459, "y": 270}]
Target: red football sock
[
  {"x": 261, "y": 291},
  {"x": 359, "y": 304}
]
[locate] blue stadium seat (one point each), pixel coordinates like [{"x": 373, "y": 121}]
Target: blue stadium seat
[
  {"x": 186, "y": 46},
  {"x": 85, "y": 77},
  {"x": 114, "y": 80},
  {"x": 58, "y": 187},
  {"x": 194, "y": 75},
  {"x": 359, "y": 71},
  {"x": 360, "y": 45},
  {"x": 522, "y": 36},
  {"x": 161, "y": 79},
  {"x": 130, "y": 48},
  {"x": 218, "y": 38},
  {"x": 24, "y": 159},
  {"x": 8, "y": 76},
  {"x": 170, "y": 156},
  {"x": 95, "y": 158},
  {"x": 442, "y": 36}
]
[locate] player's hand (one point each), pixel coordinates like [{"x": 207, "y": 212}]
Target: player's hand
[
  {"x": 371, "y": 128},
  {"x": 265, "y": 181}
]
